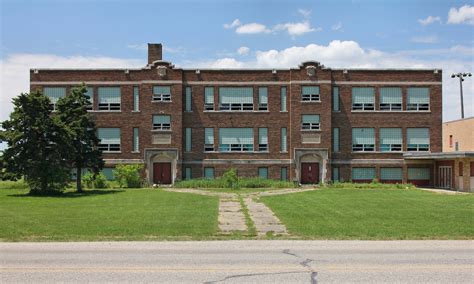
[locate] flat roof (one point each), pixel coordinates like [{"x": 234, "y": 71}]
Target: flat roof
[{"x": 440, "y": 155}]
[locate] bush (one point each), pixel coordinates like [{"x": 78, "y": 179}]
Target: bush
[
  {"x": 128, "y": 176},
  {"x": 231, "y": 179},
  {"x": 97, "y": 181}
]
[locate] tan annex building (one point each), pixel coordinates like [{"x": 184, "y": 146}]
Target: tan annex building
[{"x": 458, "y": 135}]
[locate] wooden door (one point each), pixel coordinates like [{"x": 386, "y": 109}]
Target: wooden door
[
  {"x": 162, "y": 173},
  {"x": 309, "y": 173}
]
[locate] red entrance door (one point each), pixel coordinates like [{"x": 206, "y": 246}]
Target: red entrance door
[
  {"x": 309, "y": 172},
  {"x": 162, "y": 173}
]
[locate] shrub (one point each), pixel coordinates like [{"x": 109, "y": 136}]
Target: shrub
[
  {"x": 97, "y": 181},
  {"x": 128, "y": 176},
  {"x": 231, "y": 179}
]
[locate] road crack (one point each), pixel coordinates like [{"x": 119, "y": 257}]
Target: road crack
[
  {"x": 305, "y": 263},
  {"x": 251, "y": 275}
]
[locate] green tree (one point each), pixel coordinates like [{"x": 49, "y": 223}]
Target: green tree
[
  {"x": 36, "y": 145},
  {"x": 82, "y": 138}
]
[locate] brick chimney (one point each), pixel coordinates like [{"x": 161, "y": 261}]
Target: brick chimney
[{"x": 154, "y": 52}]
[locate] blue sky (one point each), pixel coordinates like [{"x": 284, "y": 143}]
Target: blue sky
[{"x": 379, "y": 34}]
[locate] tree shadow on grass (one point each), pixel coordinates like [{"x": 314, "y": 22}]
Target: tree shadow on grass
[{"x": 72, "y": 194}]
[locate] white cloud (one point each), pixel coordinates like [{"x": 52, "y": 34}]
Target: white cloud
[
  {"x": 252, "y": 28},
  {"x": 226, "y": 63},
  {"x": 463, "y": 15},
  {"x": 429, "y": 20},
  {"x": 425, "y": 39},
  {"x": 304, "y": 12},
  {"x": 243, "y": 50},
  {"x": 141, "y": 47},
  {"x": 232, "y": 25},
  {"x": 296, "y": 29},
  {"x": 337, "y": 27}
]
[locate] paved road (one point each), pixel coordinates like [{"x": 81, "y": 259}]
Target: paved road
[{"x": 240, "y": 262}]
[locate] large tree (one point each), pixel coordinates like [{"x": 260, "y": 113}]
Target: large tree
[
  {"x": 36, "y": 145},
  {"x": 73, "y": 116}
]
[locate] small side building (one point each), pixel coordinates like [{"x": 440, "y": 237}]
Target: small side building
[{"x": 458, "y": 135}]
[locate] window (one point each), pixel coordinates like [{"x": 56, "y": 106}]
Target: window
[
  {"x": 283, "y": 99},
  {"x": 419, "y": 174},
  {"x": 188, "y": 140},
  {"x": 335, "y": 99},
  {"x": 108, "y": 173},
  {"x": 284, "y": 173},
  {"x": 456, "y": 147},
  {"x": 109, "y": 139},
  {"x": 161, "y": 94},
  {"x": 90, "y": 94},
  {"x": 335, "y": 174},
  {"x": 363, "y": 98},
  {"x": 188, "y": 99},
  {"x": 235, "y": 139},
  {"x": 283, "y": 143},
  {"x": 418, "y": 139},
  {"x": 136, "y": 147},
  {"x": 450, "y": 141},
  {"x": 335, "y": 140},
  {"x": 187, "y": 173},
  {"x": 263, "y": 173},
  {"x": 310, "y": 122},
  {"x": 263, "y": 139},
  {"x": 390, "y": 139},
  {"x": 209, "y": 139},
  {"x": 263, "y": 98},
  {"x": 391, "y": 174},
  {"x": 209, "y": 173},
  {"x": 54, "y": 94},
  {"x": 109, "y": 98},
  {"x": 461, "y": 169},
  {"x": 363, "y": 174},
  {"x": 161, "y": 122},
  {"x": 418, "y": 99},
  {"x": 136, "y": 98},
  {"x": 310, "y": 94},
  {"x": 363, "y": 140},
  {"x": 209, "y": 98},
  {"x": 390, "y": 99},
  {"x": 235, "y": 99}
]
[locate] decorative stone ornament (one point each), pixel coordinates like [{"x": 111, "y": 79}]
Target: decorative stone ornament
[
  {"x": 311, "y": 70},
  {"x": 161, "y": 71}
]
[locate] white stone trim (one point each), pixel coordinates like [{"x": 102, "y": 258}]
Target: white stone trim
[
  {"x": 404, "y": 83},
  {"x": 108, "y": 83},
  {"x": 238, "y": 161},
  {"x": 367, "y": 161}
]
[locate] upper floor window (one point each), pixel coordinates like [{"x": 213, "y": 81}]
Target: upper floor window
[
  {"x": 161, "y": 93},
  {"x": 418, "y": 99},
  {"x": 236, "y": 139},
  {"x": 236, "y": 99},
  {"x": 263, "y": 139},
  {"x": 310, "y": 122},
  {"x": 363, "y": 98},
  {"x": 310, "y": 94},
  {"x": 283, "y": 99},
  {"x": 263, "y": 98},
  {"x": 161, "y": 122},
  {"x": 209, "y": 98},
  {"x": 54, "y": 94},
  {"x": 188, "y": 99},
  {"x": 109, "y": 139},
  {"x": 209, "y": 139},
  {"x": 90, "y": 94},
  {"x": 335, "y": 99},
  {"x": 109, "y": 98},
  {"x": 363, "y": 140},
  {"x": 390, "y": 99},
  {"x": 136, "y": 98},
  {"x": 391, "y": 139},
  {"x": 418, "y": 139}
]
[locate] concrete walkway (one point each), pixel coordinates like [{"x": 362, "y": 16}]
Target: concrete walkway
[
  {"x": 264, "y": 219},
  {"x": 231, "y": 218}
]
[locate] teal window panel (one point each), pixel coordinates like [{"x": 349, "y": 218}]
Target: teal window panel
[
  {"x": 418, "y": 96},
  {"x": 236, "y": 136},
  {"x": 136, "y": 98},
  {"x": 163, "y": 119},
  {"x": 284, "y": 173},
  {"x": 310, "y": 118},
  {"x": 363, "y": 173},
  {"x": 209, "y": 173},
  {"x": 419, "y": 174},
  {"x": 209, "y": 136},
  {"x": 90, "y": 94},
  {"x": 363, "y": 95},
  {"x": 263, "y": 136},
  {"x": 310, "y": 90},
  {"x": 229, "y": 95},
  {"x": 209, "y": 95},
  {"x": 136, "y": 140},
  {"x": 335, "y": 174},
  {"x": 283, "y": 142},
  {"x": 391, "y": 173},
  {"x": 335, "y": 99},
  {"x": 363, "y": 136},
  {"x": 263, "y": 173},
  {"x": 418, "y": 136},
  {"x": 283, "y": 99},
  {"x": 188, "y": 138},
  {"x": 390, "y": 95},
  {"x": 161, "y": 90},
  {"x": 187, "y": 173},
  {"x": 108, "y": 173},
  {"x": 109, "y": 135},
  {"x": 335, "y": 140},
  {"x": 188, "y": 99},
  {"x": 263, "y": 95},
  {"x": 391, "y": 136},
  {"x": 109, "y": 95},
  {"x": 54, "y": 93}
]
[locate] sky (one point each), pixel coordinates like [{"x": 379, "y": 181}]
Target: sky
[{"x": 238, "y": 34}]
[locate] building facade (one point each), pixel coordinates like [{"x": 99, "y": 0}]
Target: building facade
[
  {"x": 458, "y": 135},
  {"x": 309, "y": 124}
]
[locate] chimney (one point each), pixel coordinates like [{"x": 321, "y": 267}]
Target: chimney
[{"x": 154, "y": 52}]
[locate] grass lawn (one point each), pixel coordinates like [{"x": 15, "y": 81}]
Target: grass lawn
[
  {"x": 135, "y": 214},
  {"x": 375, "y": 214}
]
